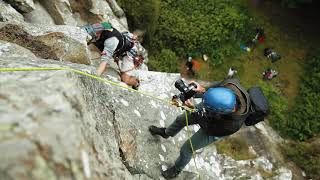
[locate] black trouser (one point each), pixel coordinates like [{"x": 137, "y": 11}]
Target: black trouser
[{"x": 199, "y": 140}]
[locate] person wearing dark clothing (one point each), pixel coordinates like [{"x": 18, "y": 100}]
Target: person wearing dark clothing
[
  {"x": 224, "y": 108},
  {"x": 259, "y": 37},
  {"x": 189, "y": 65}
]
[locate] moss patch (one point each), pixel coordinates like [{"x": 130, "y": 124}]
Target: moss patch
[
  {"x": 266, "y": 174},
  {"x": 236, "y": 148}
]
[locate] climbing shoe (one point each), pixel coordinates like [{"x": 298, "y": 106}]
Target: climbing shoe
[
  {"x": 170, "y": 173},
  {"x": 158, "y": 131},
  {"x": 136, "y": 87}
]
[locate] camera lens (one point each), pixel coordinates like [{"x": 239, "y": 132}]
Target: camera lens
[
  {"x": 179, "y": 84},
  {"x": 186, "y": 91}
]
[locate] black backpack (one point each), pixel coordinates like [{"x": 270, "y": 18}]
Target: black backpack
[{"x": 259, "y": 108}]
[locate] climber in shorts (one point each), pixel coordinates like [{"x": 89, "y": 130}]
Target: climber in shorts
[
  {"x": 130, "y": 65},
  {"x": 110, "y": 42}
]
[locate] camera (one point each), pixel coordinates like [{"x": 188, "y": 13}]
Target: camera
[{"x": 187, "y": 91}]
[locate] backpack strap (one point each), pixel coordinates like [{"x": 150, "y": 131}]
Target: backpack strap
[
  {"x": 124, "y": 45},
  {"x": 234, "y": 85},
  {"x": 106, "y": 35}
]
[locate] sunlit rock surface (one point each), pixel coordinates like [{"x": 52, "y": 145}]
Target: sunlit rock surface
[
  {"x": 64, "y": 43},
  {"x": 8, "y": 13},
  {"x": 39, "y": 15}
]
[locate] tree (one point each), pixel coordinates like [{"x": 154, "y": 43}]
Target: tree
[
  {"x": 142, "y": 14},
  {"x": 212, "y": 27}
]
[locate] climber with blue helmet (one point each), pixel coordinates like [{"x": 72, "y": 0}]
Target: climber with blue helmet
[
  {"x": 225, "y": 106},
  {"x": 220, "y": 100}
]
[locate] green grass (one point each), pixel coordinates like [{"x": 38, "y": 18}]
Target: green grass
[{"x": 291, "y": 45}]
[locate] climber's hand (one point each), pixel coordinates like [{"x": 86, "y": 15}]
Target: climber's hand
[
  {"x": 199, "y": 88},
  {"x": 176, "y": 101},
  {"x": 189, "y": 103}
]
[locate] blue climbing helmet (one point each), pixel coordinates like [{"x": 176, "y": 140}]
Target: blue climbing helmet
[{"x": 220, "y": 100}]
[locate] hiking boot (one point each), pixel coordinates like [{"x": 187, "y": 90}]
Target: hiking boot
[
  {"x": 158, "y": 131},
  {"x": 170, "y": 173}
]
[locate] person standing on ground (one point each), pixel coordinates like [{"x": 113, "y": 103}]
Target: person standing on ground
[
  {"x": 232, "y": 71},
  {"x": 189, "y": 65}
]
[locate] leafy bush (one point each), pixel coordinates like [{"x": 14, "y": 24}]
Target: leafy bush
[
  {"x": 165, "y": 61},
  {"x": 212, "y": 27},
  {"x": 142, "y": 14},
  {"x": 235, "y": 147},
  {"x": 306, "y": 156},
  {"x": 301, "y": 123},
  {"x": 304, "y": 119}
]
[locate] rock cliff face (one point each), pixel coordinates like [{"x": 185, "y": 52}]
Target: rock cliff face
[
  {"x": 64, "y": 43},
  {"x": 60, "y": 124}
]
